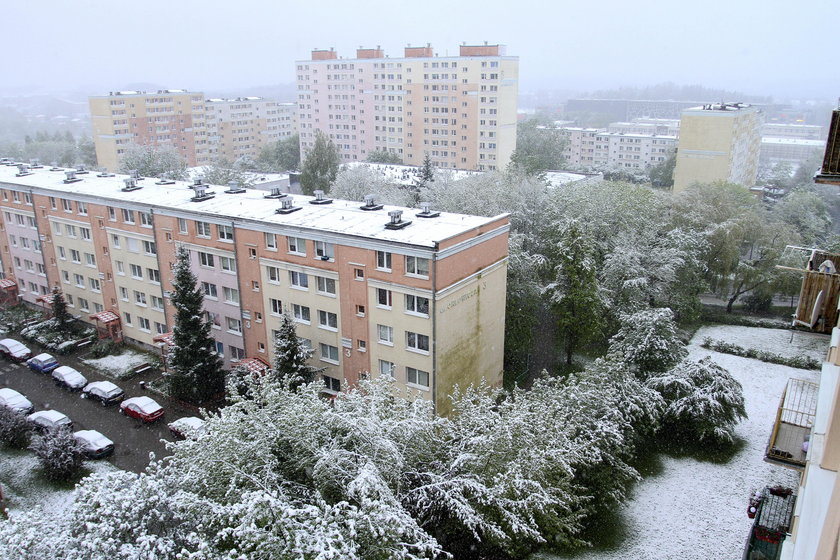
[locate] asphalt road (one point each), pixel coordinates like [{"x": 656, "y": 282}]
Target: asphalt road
[{"x": 133, "y": 439}]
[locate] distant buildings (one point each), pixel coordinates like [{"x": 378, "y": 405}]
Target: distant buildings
[
  {"x": 718, "y": 142},
  {"x": 628, "y": 145},
  {"x": 458, "y": 110},
  {"x": 241, "y": 127},
  {"x": 790, "y": 143}
]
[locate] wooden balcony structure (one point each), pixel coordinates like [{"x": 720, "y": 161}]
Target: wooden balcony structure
[{"x": 791, "y": 433}]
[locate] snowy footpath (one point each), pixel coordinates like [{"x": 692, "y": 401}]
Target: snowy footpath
[{"x": 695, "y": 510}]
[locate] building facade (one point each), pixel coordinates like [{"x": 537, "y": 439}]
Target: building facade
[
  {"x": 458, "y": 110},
  {"x": 600, "y": 149},
  {"x": 166, "y": 117},
  {"x": 718, "y": 142},
  {"x": 381, "y": 291},
  {"x": 241, "y": 127}
]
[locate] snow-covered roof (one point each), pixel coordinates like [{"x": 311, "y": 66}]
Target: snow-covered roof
[
  {"x": 558, "y": 178},
  {"x": 405, "y": 174},
  {"x": 794, "y": 142},
  {"x": 341, "y": 217}
]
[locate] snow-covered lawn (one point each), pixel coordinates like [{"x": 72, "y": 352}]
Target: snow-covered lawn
[
  {"x": 695, "y": 510},
  {"x": 117, "y": 366},
  {"x": 25, "y": 487}
]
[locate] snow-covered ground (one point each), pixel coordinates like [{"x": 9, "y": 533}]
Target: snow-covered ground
[
  {"x": 694, "y": 510},
  {"x": 117, "y": 365}
]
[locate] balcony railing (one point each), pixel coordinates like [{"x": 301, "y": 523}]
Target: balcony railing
[{"x": 792, "y": 429}]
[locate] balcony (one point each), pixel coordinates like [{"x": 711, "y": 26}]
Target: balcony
[
  {"x": 789, "y": 440},
  {"x": 820, "y": 291}
]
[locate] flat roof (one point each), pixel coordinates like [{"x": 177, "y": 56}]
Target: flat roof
[
  {"x": 794, "y": 141},
  {"x": 341, "y": 217}
]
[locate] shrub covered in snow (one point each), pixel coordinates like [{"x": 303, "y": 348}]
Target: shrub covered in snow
[
  {"x": 648, "y": 342},
  {"x": 15, "y": 429},
  {"x": 60, "y": 454},
  {"x": 703, "y": 401},
  {"x": 802, "y": 362}
]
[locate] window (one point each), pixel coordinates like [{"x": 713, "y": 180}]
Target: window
[
  {"x": 112, "y": 214},
  {"x": 361, "y": 345},
  {"x": 271, "y": 241},
  {"x": 136, "y": 271},
  {"x": 213, "y": 319},
  {"x": 273, "y": 274},
  {"x": 157, "y": 303},
  {"x": 115, "y": 241},
  {"x": 67, "y": 205},
  {"x": 144, "y": 324},
  {"x": 41, "y": 269},
  {"x": 359, "y": 273},
  {"x": 417, "y": 342},
  {"x": 146, "y": 219},
  {"x": 231, "y": 295},
  {"x": 150, "y": 247},
  {"x": 85, "y": 233},
  {"x": 255, "y": 285},
  {"x": 154, "y": 275},
  {"x": 182, "y": 225},
  {"x": 236, "y": 353},
  {"x": 202, "y": 229},
  {"x": 386, "y": 368},
  {"x": 327, "y": 320},
  {"x": 160, "y": 328},
  {"x": 329, "y": 353},
  {"x": 228, "y": 264},
  {"x": 234, "y": 325},
  {"x": 417, "y": 304},
  {"x": 325, "y": 285},
  {"x": 83, "y": 304},
  {"x": 276, "y": 306},
  {"x": 386, "y": 334},
  {"x": 417, "y": 377},
  {"x": 98, "y": 307},
  {"x": 324, "y": 250},
  {"x": 94, "y": 284},
  {"x": 383, "y": 260},
  {"x": 120, "y": 267},
  {"x": 331, "y": 384},
  {"x": 383, "y": 297},
  {"x": 132, "y": 244},
  {"x": 300, "y": 313},
  {"x": 128, "y": 216},
  {"x": 123, "y": 293},
  {"x": 209, "y": 290},
  {"x": 225, "y": 232},
  {"x": 126, "y": 316},
  {"x": 206, "y": 259},
  {"x": 61, "y": 254},
  {"x": 139, "y": 298},
  {"x": 90, "y": 259},
  {"x": 417, "y": 266},
  {"x": 298, "y": 279},
  {"x": 70, "y": 230},
  {"x": 297, "y": 246},
  {"x": 24, "y": 241},
  {"x": 220, "y": 349},
  {"x": 360, "y": 310},
  {"x": 52, "y": 201}
]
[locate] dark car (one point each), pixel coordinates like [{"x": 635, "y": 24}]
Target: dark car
[
  {"x": 95, "y": 445},
  {"x": 14, "y": 350},
  {"x": 42, "y": 363},
  {"x": 103, "y": 391}
]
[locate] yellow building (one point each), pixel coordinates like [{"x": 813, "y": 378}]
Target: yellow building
[{"x": 718, "y": 142}]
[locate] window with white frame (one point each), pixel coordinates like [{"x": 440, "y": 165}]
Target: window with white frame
[
  {"x": 273, "y": 274},
  {"x": 417, "y": 304},
  {"x": 325, "y": 285},
  {"x": 220, "y": 349},
  {"x": 75, "y": 256},
  {"x": 126, "y": 317},
  {"x": 225, "y": 232},
  {"x": 386, "y": 368},
  {"x": 202, "y": 229},
  {"x": 120, "y": 266},
  {"x": 331, "y": 384},
  {"x": 67, "y": 205},
  {"x": 146, "y": 219},
  {"x": 327, "y": 320},
  {"x": 94, "y": 284},
  {"x": 298, "y": 279},
  {"x": 297, "y": 246},
  {"x": 417, "y": 376},
  {"x": 61, "y": 254},
  {"x": 90, "y": 259},
  {"x": 136, "y": 271},
  {"x": 383, "y": 297},
  {"x": 70, "y": 230},
  {"x": 83, "y": 304},
  {"x": 234, "y": 324},
  {"x": 154, "y": 275},
  {"x": 115, "y": 240},
  {"x": 123, "y": 293},
  {"x": 236, "y": 353},
  {"x": 85, "y": 233},
  {"x": 270, "y": 241},
  {"x": 81, "y": 207},
  {"x": 150, "y": 247},
  {"x": 228, "y": 264},
  {"x": 213, "y": 318},
  {"x": 209, "y": 290},
  {"x": 416, "y": 342},
  {"x": 386, "y": 334},
  {"x": 160, "y": 328},
  {"x": 132, "y": 244},
  {"x": 300, "y": 313},
  {"x": 182, "y": 225},
  {"x": 144, "y": 324},
  {"x": 383, "y": 260},
  {"x": 417, "y": 266},
  {"x": 324, "y": 250},
  {"x": 112, "y": 214},
  {"x": 329, "y": 353},
  {"x": 128, "y": 216},
  {"x": 157, "y": 303},
  {"x": 206, "y": 259},
  {"x": 139, "y": 298},
  {"x": 276, "y": 306},
  {"x": 231, "y": 295}
]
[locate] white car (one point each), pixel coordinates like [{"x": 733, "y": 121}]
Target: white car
[
  {"x": 14, "y": 400},
  {"x": 69, "y": 377},
  {"x": 14, "y": 350},
  {"x": 50, "y": 420},
  {"x": 95, "y": 444},
  {"x": 103, "y": 391},
  {"x": 183, "y": 427}
]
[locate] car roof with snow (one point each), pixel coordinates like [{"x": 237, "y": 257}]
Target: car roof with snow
[
  {"x": 44, "y": 357},
  {"x": 189, "y": 422},
  {"x": 67, "y": 372},
  {"x": 146, "y": 404},
  {"x": 53, "y": 416},
  {"x": 104, "y": 386},
  {"x": 10, "y": 396},
  {"x": 93, "y": 437}
]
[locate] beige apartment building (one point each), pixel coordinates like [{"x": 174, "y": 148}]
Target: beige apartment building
[
  {"x": 458, "y": 110},
  {"x": 166, "y": 117},
  {"x": 415, "y": 295},
  {"x": 600, "y": 149},
  {"x": 718, "y": 142},
  {"x": 241, "y": 127}
]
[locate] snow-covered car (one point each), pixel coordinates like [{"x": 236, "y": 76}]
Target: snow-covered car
[
  {"x": 42, "y": 363},
  {"x": 14, "y": 400},
  {"x": 68, "y": 377},
  {"x": 94, "y": 443},
  {"x": 50, "y": 420},
  {"x": 183, "y": 427},
  {"x": 142, "y": 408},
  {"x": 14, "y": 350},
  {"x": 104, "y": 392}
]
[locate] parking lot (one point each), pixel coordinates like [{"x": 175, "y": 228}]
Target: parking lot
[{"x": 133, "y": 439}]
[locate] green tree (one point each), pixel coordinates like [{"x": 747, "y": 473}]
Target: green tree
[
  {"x": 648, "y": 343},
  {"x": 662, "y": 174},
  {"x": 59, "y": 310},
  {"x": 320, "y": 166},
  {"x": 282, "y": 155},
  {"x": 384, "y": 156},
  {"x": 574, "y": 293},
  {"x": 195, "y": 369},
  {"x": 154, "y": 161},
  {"x": 291, "y": 356},
  {"x": 538, "y": 148},
  {"x": 87, "y": 151}
]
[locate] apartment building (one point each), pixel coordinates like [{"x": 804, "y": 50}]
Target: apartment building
[
  {"x": 793, "y": 131},
  {"x": 374, "y": 290},
  {"x": 718, "y": 142},
  {"x": 600, "y": 149},
  {"x": 166, "y": 117},
  {"x": 458, "y": 110},
  {"x": 241, "y": 127},
  {"x": 659, "y": 127}
]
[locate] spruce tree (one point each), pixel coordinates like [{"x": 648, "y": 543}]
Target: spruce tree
[
  {"x": 320, "y": 166},
  {"x": 59, "y": 310},
  {"x": 290, "y": 356},
  {"x": 195, "y": 369}
]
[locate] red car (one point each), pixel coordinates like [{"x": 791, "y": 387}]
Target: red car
[{"x": 142, "y": 408}]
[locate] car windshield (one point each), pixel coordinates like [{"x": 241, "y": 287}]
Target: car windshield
[{"x": 112, "y": 392}]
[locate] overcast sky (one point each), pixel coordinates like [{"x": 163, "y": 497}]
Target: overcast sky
[{"x": 764, "y": 47}]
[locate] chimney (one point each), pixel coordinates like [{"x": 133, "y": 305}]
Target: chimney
[
  {"x": 320, "y": 198},
  {"x": 71, "y": 177},
  {"x": 370, "y": 203},
  {"x": 396, "y": 220},
  {"x": 426, "y": 211},
  {"x": 287, "y": 207}
]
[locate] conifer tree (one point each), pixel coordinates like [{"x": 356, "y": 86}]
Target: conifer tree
[
  {"x": 290, "y": 356},
  {"x": 195, "y": 369},
  {"x": 59, "y": 310},
  {"x": 320, "y": 166}
]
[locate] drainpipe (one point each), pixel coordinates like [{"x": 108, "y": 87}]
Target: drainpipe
[{"x": 432, "y": 310}]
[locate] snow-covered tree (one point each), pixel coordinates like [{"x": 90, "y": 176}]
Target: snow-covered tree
[
  {"x": 648, "y": 342},
  {"x": 59, "y": 309},
  {"x": 703, "y": 401},
  {"x": 354, "y": 183},
  {"x": 320, "y": 165},
  {"x": 291, "y": 356},
  {"x": 195, "y": 369},
  {"x": 15, "y": 429},
  {"x": 60, "y": 454},
  {"x": 154, "y": 161}
]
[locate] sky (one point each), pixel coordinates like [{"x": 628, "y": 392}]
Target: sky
[{"x": 761, "y": 47}]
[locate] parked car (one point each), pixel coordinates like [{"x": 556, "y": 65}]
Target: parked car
[
  {"x": 14, "y": 400},
  {"x": 68, "y": 377},
  {"x": 142, "y": 408},
  {"x": 183, "y": 427},
  {"x": 95, "y": 444},
  {"x": 50, "y": 420},
  {"x": 42, "y": 363},
  {"x": 104, "y": 392},
  {"x": 14, "y": 350}
]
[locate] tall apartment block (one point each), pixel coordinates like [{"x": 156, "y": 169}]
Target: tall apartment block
[
  {"x": 241, "y": 127},
  {"x": 458, "y": 110},
  {"x": 174, "y": 117},
  {"x": 417, "y": 295},
  {"x": 718, "y": 142}
]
